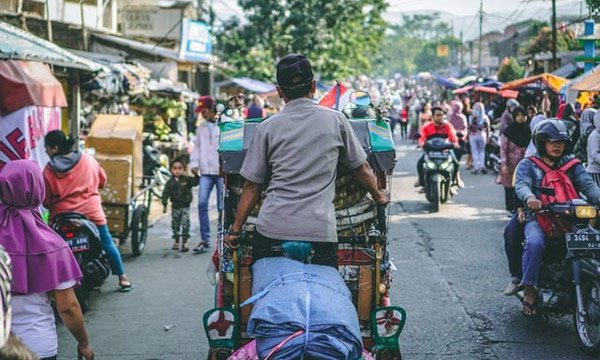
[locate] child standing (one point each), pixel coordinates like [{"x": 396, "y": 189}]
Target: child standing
[{"x": 179, "y": 190}]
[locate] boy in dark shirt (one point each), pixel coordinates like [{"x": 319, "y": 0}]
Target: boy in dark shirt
[{"x": 179, "y": 190}]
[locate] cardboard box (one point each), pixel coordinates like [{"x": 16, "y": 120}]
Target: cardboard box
[
  {"x": 119, "y": 185},
  {"x": 119, "y": 135},
  {"x": 116, "y": 226},
  {"x": 115, "y": 211}
]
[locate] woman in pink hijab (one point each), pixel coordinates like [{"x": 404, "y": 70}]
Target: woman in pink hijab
[{"x": 44, "y": 268}]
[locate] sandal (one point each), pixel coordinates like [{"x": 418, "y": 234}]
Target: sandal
[
  {"x": 125, "y": 286},
  {"x": 184, "y": 248},
  {"x": 175, "y": 246},
  {"x": 533, "y": 311},
  {"x": 200, "y": 248}
]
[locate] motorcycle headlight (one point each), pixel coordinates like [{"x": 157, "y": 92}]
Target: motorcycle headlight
[
  {"x": 446, "y": 164},
  {"x": 586, "y": 212},
  {"x": 430, "y": 165}
]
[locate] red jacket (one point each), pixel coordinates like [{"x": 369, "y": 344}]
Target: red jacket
[
  {"x": 430, "y": 129},
  {"x": 76, "y": 190}
]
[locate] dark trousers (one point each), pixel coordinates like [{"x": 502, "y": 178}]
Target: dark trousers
[
  {"x": 325, "y": 252},
  {"x": 403, "y": 129},
  {"x": 514, "y": 234},
  {"x": 509, "y": 198}
]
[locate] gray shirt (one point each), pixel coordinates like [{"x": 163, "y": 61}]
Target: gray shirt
[{"x": 297, "y": 151}]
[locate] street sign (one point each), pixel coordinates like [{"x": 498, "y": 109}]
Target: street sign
[
  {"x": 151, "y": 23},
  {"x": 443, "y": 50},
  {"x": 196, "y": 44}
]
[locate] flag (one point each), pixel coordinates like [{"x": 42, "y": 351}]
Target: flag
[{"x": 337, "y": 97}]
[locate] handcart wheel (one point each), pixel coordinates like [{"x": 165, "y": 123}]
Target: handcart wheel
[{"x": 139, "y": 230}]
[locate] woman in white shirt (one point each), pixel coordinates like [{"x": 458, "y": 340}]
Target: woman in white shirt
[{"x": 44, "y": 268}]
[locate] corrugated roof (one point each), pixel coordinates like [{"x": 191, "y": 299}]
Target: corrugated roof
[{"x": 22, "y": 45}]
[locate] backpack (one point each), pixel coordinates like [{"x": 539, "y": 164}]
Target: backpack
[{"x": 556, "y": 187}]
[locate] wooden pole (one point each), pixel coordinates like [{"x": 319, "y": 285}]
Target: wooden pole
[{"x": 554, "y": 35}]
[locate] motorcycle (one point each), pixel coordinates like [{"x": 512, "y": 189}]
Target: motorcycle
[
  {"x": 569, "y": 281},
  {"x": 439, "y": 167},
  {"x": 83, "y": 238},
  {"x": 492, "y": 152}
]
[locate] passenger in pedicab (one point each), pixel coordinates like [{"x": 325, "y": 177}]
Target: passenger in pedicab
[{"x": 295, "y": 155}]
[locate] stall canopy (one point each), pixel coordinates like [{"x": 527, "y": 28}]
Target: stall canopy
[
  {"x": 590, "y": 83},
  {"x": 252, "y": 85},
  {"x": 17, "y": 44},
  {"x": 24, "y": 83},
  {"x": 552, "y": 82},
  {"x": 483, "y": 89}
]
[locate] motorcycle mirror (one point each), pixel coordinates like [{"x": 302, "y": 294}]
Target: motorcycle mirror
[{"x": 360, "y": 98}]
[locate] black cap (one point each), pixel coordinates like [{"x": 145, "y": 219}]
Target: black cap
[{"x": 294, "y": 71}]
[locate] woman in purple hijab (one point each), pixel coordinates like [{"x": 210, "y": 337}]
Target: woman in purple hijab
[{"x": 43, "y": 266}]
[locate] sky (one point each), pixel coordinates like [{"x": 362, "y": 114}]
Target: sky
[{"x": 461, "y": 7}]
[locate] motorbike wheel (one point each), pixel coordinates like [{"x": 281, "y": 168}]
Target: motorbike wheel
[
  {"x": 436, "y": 195},
  {"x": 588, "y": 331},
  {"x": 496, "y": 167},
  {"x": 82, "y": 292},
  {"x": 139, "y": 230}
]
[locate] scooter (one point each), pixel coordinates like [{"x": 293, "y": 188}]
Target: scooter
[
  {"x": 569, "y": 281},
  {"x": 492, "y": 152},
  {"x": 439, "y": 167},
  {"x": 83, "y": 238}
]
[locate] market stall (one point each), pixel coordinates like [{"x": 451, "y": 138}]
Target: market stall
[{"x": 30, "y": 102}]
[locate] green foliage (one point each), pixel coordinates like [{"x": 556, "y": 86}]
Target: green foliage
[
  {"x": 510, "y": 70},
  {"x": 339, "y": 37},
  {"x": 542, "y": 42},
  {"x": 594, "y": 5},
  {"x": 411, "y": 45},
  {"x": 535, "y": 26}
]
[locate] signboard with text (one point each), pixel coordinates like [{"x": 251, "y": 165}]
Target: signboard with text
[
  {"x": 152, "y": 23},
  {"x": 22, "y": 133},
  {"x": 196, "y": 44}
]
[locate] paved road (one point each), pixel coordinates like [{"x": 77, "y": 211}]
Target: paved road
[{"x": 451, "y": 273}]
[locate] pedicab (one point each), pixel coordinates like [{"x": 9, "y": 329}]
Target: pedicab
[{"x": 363, "y": 258}]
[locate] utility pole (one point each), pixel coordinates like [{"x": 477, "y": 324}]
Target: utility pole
[
  {"x": 480, "y": 36},
  {"x": 48, "y": 21},
  {"x": 460, "y": 54},
  {"x": 554, "y": 35}
]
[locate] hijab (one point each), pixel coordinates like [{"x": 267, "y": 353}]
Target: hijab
[
  {"x": 518, "y": 133},
  {"x": 41, "y": 258},
  {"x": 478, "y": 116}
]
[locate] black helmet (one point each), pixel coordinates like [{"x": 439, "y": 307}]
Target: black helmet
[{"x": 550, "y": 130}]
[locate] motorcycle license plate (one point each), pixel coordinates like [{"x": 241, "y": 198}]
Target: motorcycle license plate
[
  {"x": 583, "y": 241},
  {"x": 78, "y": 243}
]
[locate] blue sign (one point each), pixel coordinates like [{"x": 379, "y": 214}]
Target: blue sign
[{"x": 196, "y": 44}]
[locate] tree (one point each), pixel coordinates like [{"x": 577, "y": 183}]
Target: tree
[
  {"x": 565, "y": 40},
  {"x": 594, "y": 5},
  {"x": 510, "y": 70},
  {"x": 340, "y": 37},
  {"x": 411, "y": 45}
]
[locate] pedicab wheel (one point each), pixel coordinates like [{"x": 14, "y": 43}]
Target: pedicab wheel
[
  {"x": 139, "y": 230},
  {"x": 82, "y": 292},
  {"x": 588, "y": 330},
  {"x": 219, "y": 354},
  {"x": 388, "y": 354}
]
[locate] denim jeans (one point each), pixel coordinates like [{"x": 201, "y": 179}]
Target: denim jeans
[
  {"x": 535, "y": 243},
  {"x": 513, "y": 246},
  {"x": 207, "y": 182},
  {"x": 477, "y": 141},
  {"x": 114, "y": 257}
]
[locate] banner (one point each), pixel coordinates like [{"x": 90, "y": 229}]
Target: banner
[
  {"x": 22, "y": 133},
  {"x": 196, "y": 44}
]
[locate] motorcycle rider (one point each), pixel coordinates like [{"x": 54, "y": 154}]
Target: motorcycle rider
[
  {"x": 72, "y": 181},
  {"x": 295, "y": 154},
  {"x": 551, "y": 139},
  {"x": 437, "y": 127}
]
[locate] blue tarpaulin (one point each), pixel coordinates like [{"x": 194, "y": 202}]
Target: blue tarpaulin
[{"x": 289, "y": 297}]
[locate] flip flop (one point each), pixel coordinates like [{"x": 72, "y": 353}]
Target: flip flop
[
  {"x": 532, "y": 308},
  {"x": 125, "y": 288}
]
